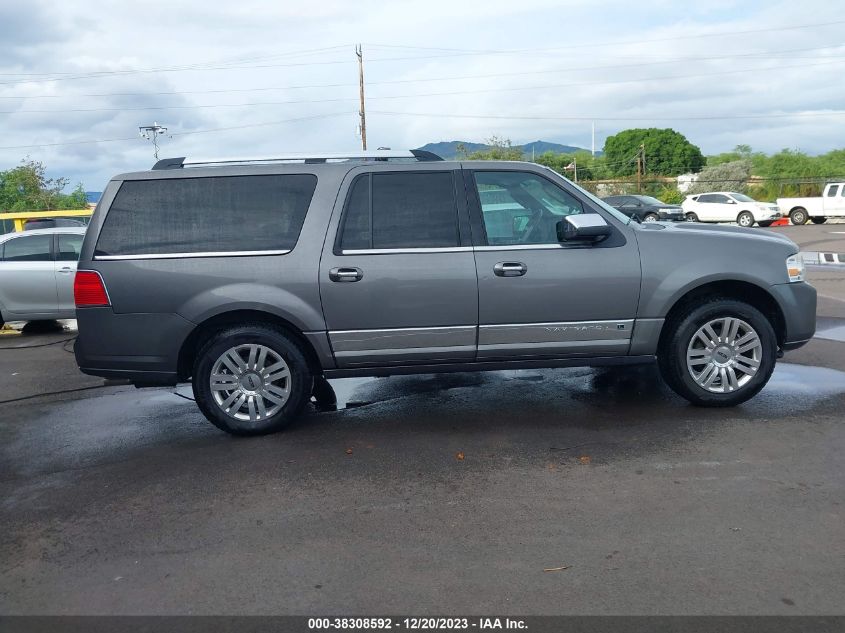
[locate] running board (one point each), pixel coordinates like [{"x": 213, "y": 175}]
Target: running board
[{"x": 444, "y": 368}]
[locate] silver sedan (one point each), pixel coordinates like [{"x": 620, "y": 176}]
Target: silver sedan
[{"x": 36, "y": 274}]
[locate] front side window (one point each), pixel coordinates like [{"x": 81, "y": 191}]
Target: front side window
[
  {"x": 399, "y": 210},
  {"x": 221, "y": 214},
  {"x": 521, "y": 207},
  {"x": 32, "y": 248},
  {"x": 70, "y": 246}
]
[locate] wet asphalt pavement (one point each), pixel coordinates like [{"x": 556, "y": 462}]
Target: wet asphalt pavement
[{"x": 429, "y": 494}]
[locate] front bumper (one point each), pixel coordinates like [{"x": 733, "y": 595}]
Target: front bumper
[
  {"x": 672, "y": 216},
  {"x": 797, "y": 302}
]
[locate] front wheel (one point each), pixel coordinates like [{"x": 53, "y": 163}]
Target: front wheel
[
  {"x": 691, "y": 217},
  {"x": 718, "y": 354},
  {"x": 745, "y": 219},
  {"x": 651, "y": 217},
  {"x": 818, "y": 220},
  {"x": 765, "y": 223},
  {"x": 251, "y": 380},
  {"x": 798, "y": 216}
]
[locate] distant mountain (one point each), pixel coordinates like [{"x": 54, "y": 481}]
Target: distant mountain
[{"x": 449, "y": 149}]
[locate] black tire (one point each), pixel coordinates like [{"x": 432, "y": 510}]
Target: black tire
[
  {"x": 651, "y": 217},
  {"x": 798, "y": 216},
  {"x": 745, "y": 218},
  {"x": 281, "y": 344},
  {"x": 818, "y": 220},
  {"x": 765, "y": 223},
  {"x": 691, "y": 217},
  {"x": 679, "y": 332}
]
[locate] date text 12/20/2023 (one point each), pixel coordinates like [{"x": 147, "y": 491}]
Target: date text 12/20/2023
[{"x": 416, "y": 624}]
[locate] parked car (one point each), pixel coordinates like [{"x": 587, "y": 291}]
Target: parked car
[
  {"x": 259, "y": 280},
  {"x": 728, "y": 206},
  {"x": 51, "y": 223},
  {"x": 646, "y": 208},
  {"x": 831, "y": 204},
  {"x": 36, "y": 274}
]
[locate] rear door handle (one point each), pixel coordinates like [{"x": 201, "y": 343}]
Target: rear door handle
[
  {"x": 510, "y": 269},
  {"x": 346, "y": 274},
  {"x": 66, "y": 269}
]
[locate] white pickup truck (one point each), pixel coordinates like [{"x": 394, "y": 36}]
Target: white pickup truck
[{"x": 831, "y": 204}]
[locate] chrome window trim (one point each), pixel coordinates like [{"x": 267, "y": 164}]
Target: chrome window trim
[
  {"x": 397, "y": 251},
  {"x": 191, "y": 255},
  {"x": 519, "y": 247}
]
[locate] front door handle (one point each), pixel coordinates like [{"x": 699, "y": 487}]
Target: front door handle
[
  {"x": 510, "y": 269},
  {"x": 346, "y": 274}
]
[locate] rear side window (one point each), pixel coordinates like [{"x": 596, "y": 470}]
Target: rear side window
[
  {"x": 32, "y": 248},
  {"x": 70, "y": 245},
  {"x": 222, "y": 214},
  {"x": 834, "y": 189},
  {"x": 401, "y": 210}
]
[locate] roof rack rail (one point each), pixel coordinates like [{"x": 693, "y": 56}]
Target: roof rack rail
[{"x": 378, "y": 155}]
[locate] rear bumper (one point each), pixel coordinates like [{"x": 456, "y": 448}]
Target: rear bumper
[
  {"x": 141, "y": 348},
  {"x": 797, "y": 301}
]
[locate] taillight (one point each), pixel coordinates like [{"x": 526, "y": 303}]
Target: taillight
[{"x": 89, "y": 290}]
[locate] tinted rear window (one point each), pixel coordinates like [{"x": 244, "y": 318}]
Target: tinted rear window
[
  {"x": 401, "y": 210},
  {"x": 207, "y": 215}
]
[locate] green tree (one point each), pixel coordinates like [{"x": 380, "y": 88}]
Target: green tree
[
  {"x": 731, "y": 176},
  {"x": 27, "y": 188},
  {"x": 667, "y": 152},
  {"x": 499, "y": 149}
]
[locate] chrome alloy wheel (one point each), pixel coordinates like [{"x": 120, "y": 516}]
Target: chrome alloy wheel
[
  {"x": 724, "y": 355},
  {"x": 250, "y": 382}
]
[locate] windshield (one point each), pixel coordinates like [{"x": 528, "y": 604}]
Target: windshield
[
  {"x": 741, "y": 197},
  {"x": 650, "y": 200}
]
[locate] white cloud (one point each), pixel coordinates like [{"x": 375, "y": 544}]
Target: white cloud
[{"x": 601, "y": 57}]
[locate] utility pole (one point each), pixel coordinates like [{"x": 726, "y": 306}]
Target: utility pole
[
  {"x": 359, "y": 52},
  {"x": 639, "y": 163},
  {"x": 151, "y": 133},
  {"x": 575, "y": 167},
  {"x": 593, "y": 145}
]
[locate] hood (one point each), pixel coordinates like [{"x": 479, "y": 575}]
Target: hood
[{"x": 721, "y": 231}]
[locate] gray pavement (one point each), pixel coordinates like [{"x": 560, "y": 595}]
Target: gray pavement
[{"x": 432, "y": 494}]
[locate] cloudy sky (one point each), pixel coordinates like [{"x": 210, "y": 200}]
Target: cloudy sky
[{"x": 251, "y": 78}]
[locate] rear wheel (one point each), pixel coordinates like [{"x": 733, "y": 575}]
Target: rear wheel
[
  {"x": 818, "y": 220},
  {"x": 765, "y": 223},
  {"x": 745, "y": 219},
  {"x": 798, "y": 216},
  {"x": 718, "y": 354},
  {"x": 251, "y": 380},
  {"x": 691, "y": 217}
]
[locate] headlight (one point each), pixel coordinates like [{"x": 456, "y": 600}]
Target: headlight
[{"x": 795, "y": 268}]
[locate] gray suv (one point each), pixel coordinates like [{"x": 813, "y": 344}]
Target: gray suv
[{"x": 257, "y": 280}]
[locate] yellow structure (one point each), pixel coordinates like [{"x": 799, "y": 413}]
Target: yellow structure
[{"x": 20, "y": 217}]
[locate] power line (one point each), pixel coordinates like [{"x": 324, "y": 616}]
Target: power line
[
  {"x": 418, "y": 95},
  {"x": 188, "y": 133},
  {"x": 615, "y": 42},
  {"x": 451, "y": 54},
  {"x": 782, "y": 53},
  {"x": 608, "y": 118}
]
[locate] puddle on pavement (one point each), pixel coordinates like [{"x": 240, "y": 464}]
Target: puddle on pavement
[
  {"x": 830, "y": 329},
  {"x": 619, "y": 385},
  {"x": 803, "y": 380}
]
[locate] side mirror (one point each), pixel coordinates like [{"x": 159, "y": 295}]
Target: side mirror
[{"x": 583, "y": 227}]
